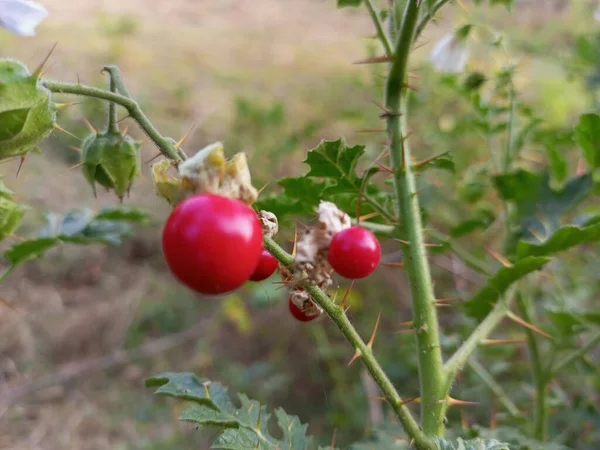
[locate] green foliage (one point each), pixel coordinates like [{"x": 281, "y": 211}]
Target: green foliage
[
  {"x": 241, "y": 428},
  {"x": 474, "y": 444},
  {"x": 27, "y": 113},
  {"x": 332, "y": 176},
  {"x": 483, "y": 301},
  {"x": 109, "y": 226},
  {"x": 345, "y": 3},
  {"x": 111, "y": 160},
  {"x": 11, "y": 213},
  {"x": 587, "y": 136}
]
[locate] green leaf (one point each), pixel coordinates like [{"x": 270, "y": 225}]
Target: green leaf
[
  {"x": 129, "y": 214},
  {"x": 517, "y": 440},
  {"x": 345, "y": 3},
  {"x": 481, "y": 218},
  {"x": 12, "y": 123},
  {"x": 336, "y": 161},
  {"x": 587, "y": 136},
  {"x": 562, "y": 239},
  {"x": 246, "y": 427},
  {"x": 565, "y": 322},
  {"x": 484, "y": 300},
  {"x": 443, "y": 162},
  {"x": 557, "y": 164},
  {"x": 472, "y": 444},
  {"x": 30, "y": 249},
  {"x": 539, "y": 208}
]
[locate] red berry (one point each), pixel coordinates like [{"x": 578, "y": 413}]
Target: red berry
[
  {"x": 299, "y": 314},
  {"x": 266, "y": 266},
  {"x": 354, "y": 252},
  {"x": 212, "y": 243}
]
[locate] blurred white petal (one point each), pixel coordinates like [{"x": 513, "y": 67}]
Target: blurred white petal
[
  {"x": 21, "y": 16},
  {"x": 597, "y": 14},
  {"x": 450, "y": 54}
]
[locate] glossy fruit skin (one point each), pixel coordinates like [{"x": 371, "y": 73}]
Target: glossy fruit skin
[
  {"x": 212, "y": 243},
  {"x": 265, "y": 268},
  {"x": 298, "y": 313},
  {"x": 354, "y": 252}
]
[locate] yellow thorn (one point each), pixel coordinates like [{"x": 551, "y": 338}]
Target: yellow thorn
[
  {"x": 408, "y": 323},
  {"x": 384, "y": 167},
  {"x": 428, "y": 160},
  {"x": 371, "y": 130},
  {"x": 263, "y": 188},
  {"x": 505, "y": 262},
  {"x": 357, "y": 354},
  {"x": 153, "y": 158},
  {"x": 502, "y": 341},
  {"x": 410, "y": 400},
  {"x": 455, "y": 402},
  {"x": 522, "y": 322},
  {"x": 124, "y": 132},
  {"x": 90, "y": 126},
  {"x": 295, "y": 241},
  {"x": 37, "y": 73},
  {"x": 408, "y": 330},
  {"x": 77, "y": 149},
  {"x": 372, "y": 338},
  {"x": 61, "y": 106},
  {"x": 74, "y": 167},
  {"x": 258, "y": 421},
  {"x": 393, "y": 264},
  {"x": 367, "y": 216},
  {"x": 375, "y": 60},
  {"x": 185, "y": 136},
  {"x": 121, "y": 120},
  {"x": 59, "y": 128}
]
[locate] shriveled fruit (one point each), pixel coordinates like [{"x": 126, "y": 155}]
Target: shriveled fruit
[
  {"x": 265, "y": 268},
  {"x": 354, "y": 252},
  {"x": 212, "y": 243},
  {"x": 299, "y": 314}
]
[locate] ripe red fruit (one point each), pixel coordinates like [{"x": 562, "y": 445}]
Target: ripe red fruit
[
  {"x": 265, "y": 268},
  {"x": 354, "y": 252},
  {"x": 212, "y": 243},
  {"x": 299, "y": 314}
]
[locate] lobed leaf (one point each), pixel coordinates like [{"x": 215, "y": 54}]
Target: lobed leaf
[
  {"x": 587, "y": 136},
  {"x": 562, "y": 239},
  {"x": 242, "y": 428}
]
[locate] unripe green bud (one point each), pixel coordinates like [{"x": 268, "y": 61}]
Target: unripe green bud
[
  {"x": 112, "y": 160},
  {"x": 11, "y": 213},
  {"x": 27, "y": 113}
]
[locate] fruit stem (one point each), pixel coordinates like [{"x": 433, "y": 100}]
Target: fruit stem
[
  {"x": 432, "y": 376},
  {"x": 166, "y": 146},
  {"x": 113, "y": 126},
  {"x": 337, "y": 315}
]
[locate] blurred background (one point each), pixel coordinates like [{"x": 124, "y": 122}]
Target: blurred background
[{"x": 271, "y": 78}]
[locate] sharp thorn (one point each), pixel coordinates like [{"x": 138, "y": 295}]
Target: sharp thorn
[
  {"x": 501, "y": 259},
  {"x": 89, "y": 126},
  {"x": 59, "y": 128},
  {"x": 455, "y": 402},
  {"x": 122, "y": 119},
  {"x": 20, "y": 166},
  {"x": 428, "y": 160},
  {"x": 372, "y": 338},
  {"x": 75, "y": 166},
  {"x": 367, "y": 216},
  {"x": 393, "y": 264},
  {"x": 357, "y": 355},
  {"x": 37, "y": 73},
  {"x": 448, "y": 299},
  {"x": 372, "y": 130},
  {"x": 410, "y": 400},
  {"x": 124, "y": 132},
  {"x": 61, "y": 106},
  {"x": 346, "y": 294},
  {"x": 185, "y": 136},
  {"x": 78, "y": 80},
  {"x": 375, "y": 60},
  {"x": 408, "y": 330},
  {"x": 502, "y": 341},
  {"x": 408, "y": 323},
  {"x": 263, "y": 188},
  {"x": 295, "y": 241},
  {"x": 526, "y": 324},
  {"x": 153, "y": 158},
  {"x": 77, "y": 149},
  {"x": 410, "y": 86},
  {"x": 258, "y": 421},
  {"x": 384, "y": 167}
]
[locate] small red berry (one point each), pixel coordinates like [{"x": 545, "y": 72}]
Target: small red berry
[
  {"x": 212, "y": 243},
  {"x": 299, "y": 314},
  {"x": 266, "y": 266},
  {"x": 354, "y": 252}
]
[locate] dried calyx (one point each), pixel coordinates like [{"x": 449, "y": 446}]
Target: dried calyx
[
  {"x": 311, "y": 254},
  {"x": 207, "y": 172}
]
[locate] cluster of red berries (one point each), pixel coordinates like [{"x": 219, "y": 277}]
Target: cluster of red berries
[{"x": 213, "y": 245}]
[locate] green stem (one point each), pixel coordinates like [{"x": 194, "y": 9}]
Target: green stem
[
  {"x": 498, "y": 391},
  {"x": 464, "y": 352},
  {"x": 117, "y": 79},
  {"x": 337, "y": 315},
  {"x": 540, "y": 379},
  {"x": 165, "y": 145},
  {"x": 379, "y": 27},
  {"x": 571, "y": 357},
  {"x": 431, "y": 372},
  {"x": 428, "y": 15},
  {"x": 113, "y": 126},
  {"x": 509, "y": 129}
]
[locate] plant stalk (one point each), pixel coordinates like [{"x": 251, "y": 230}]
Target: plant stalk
[
  {"x": 431, "y": 373},
  {"x": 337, "y": 315},
  {"x": 165, "y": 145},
  {"x": 381, "y": 34}
]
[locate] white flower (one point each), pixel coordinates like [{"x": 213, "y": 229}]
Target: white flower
[
  {"x": 450, "y": 54},
  {"x": 597, "y": 14},
  {"x": 21, "y": 16}
]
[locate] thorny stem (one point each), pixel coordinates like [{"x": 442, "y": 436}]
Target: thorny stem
[
  {"x": 113, "y": 126},
  {"x": 540, "y": 377},
  {"x": 498, "y": 391},
  {"x": 165, "y": 145},
  {"x": 381, "y": 34},
  {"x": 337, "y": 315},
  {"x": 593, "y": 342},
  {"x": 431, "y": 372}
]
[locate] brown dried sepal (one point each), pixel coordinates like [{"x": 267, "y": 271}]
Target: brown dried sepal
[{"x": 269, "y": 223}]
